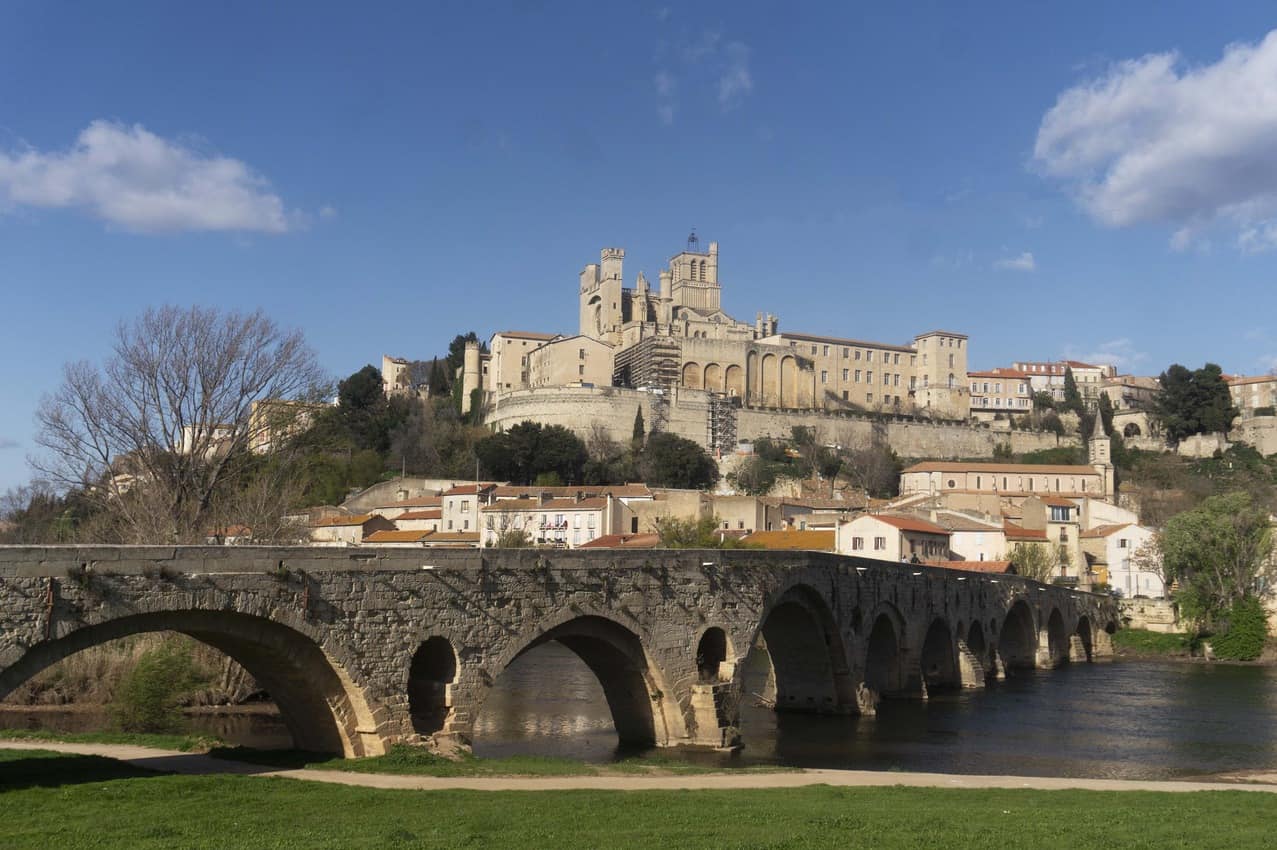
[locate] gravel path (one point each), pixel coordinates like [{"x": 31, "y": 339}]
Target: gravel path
[{"x": 187, "y": 763}]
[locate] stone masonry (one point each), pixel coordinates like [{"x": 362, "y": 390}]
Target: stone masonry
[{"x": 364, "y": 648}]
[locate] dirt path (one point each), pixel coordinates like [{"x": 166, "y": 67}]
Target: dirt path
[{"x": 187, "y": 763}]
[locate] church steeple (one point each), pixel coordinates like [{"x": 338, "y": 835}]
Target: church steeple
[{"x": 1099, "y": 450}]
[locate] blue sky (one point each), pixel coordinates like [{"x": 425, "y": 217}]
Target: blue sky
[{"x": 1092, "y": 180}]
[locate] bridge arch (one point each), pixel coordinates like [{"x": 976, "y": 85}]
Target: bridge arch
[
  {"x": 712, "y": 652},
  {"x": 1085, "y": 640},
  {"x": 643, "y": 709},
  {"x": 324, "y": 710},
  {"x": 431, "y": 676},
  {"x": 713, "y": 378},
  {"x": 884, "y": 670},
  {"x": 1017, "y": 642},
  {"x": 805, "y": 650},
  {"x": 1057, "y": 639},
  {"x": 939, "y": 660}
]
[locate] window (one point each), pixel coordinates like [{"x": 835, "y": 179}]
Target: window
[
  {"x": 580, "y": 370},
  {"x": 465, "y": 507},
  {"x": 844, "y": 374},
  {"x": 465, "y": 526},
  {"x": 824, "y": 376},
  {"x": 913, "y": 382},
  {"x": 977, "y": 482},
  {"x": 846, "y": 352},
  {"x": 950, "y": 361},
  {"x": 1123, "y": 543},
  {"x": 857, "y": 543},
  {"x": 895, "y": 360},
  {"x": 813, "y": 349},
  {"x": 869, "y": 398},
  {"x": 952, "y": 483},
  {"x": 880, "y": 543},
  {"x": 869, "y": 355},
  {"x": 580, "y": 353},
  {"x": 857, "y": 376},
  {"x": 869, "y": 376},
  {"x": 824, "y": 352},
  {"x": 844, "y": 395},
  {"x": 857, "y": 353},
  {"x": 895, "y": 380},
  {"x": 886, "y": 379},
  {"x": 1059, "y": 513},
  {"x": 450, "y": 525}
]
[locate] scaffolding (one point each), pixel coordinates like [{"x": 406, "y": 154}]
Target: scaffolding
[
  {"x": 722, "y": 424},
  {"x": 650, "y": 363}
]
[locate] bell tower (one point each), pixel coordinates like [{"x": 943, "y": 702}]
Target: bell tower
[{"x": 1099, "y": 451}]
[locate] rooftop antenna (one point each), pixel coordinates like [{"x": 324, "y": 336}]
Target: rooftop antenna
[{"x": 693, "y": 244}]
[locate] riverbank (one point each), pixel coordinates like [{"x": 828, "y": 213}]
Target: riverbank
[{"x": 70, "y": 800}]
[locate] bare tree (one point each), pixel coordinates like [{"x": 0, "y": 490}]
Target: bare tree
[{"x": 163, "y": 434}]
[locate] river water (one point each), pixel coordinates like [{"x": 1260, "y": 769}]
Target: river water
[{"x": 1121, "y": 719}]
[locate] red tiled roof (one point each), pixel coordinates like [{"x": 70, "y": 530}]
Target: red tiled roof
[
  {"x": 469, "y": 489},
  {"x": 593, "y": 504},
  {"x": 397, "y": 536},
  {"x": 1057, "y": 501},
  {"x": 1105, "y": 530},
  {"x": 793, "y": 540},
  {"x": 1021, "y": 468},
  {"x": 436, "y": 513},
  {"x": 908, "y": 523},
  {"x": 1015, "y": 532},
  {"x": 973, "y": 566},
  {"x": 623, "y": 541}
]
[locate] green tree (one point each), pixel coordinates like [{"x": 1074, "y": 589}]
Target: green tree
[
  {"x": 1219, "y": 553},
  {"x": 702, "y": 533},
  {"x": 640, "y": 432},
  {"x": 754, "y": 477},
  {"x": 530, "y": 449},
  {"x": 149, "y": 697},
  {"x": 1042, "y": 401},
  {"x": 1193, "y": 402},
  {"x": 1106, "y": 414},
  {"x": 1072, "y": 397},
  {"x": 1034, "y": 561},
  {"x": 672, "y": 461}
]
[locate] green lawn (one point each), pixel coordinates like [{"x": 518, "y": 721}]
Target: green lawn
[
  {"x": 185, "y": 743},
  {"x": 1143, "y": 642},
  {"x": 74, "y": 802},
  {"x": 415, "y": 761}
]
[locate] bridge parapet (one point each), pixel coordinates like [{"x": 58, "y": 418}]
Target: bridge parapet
[{"x": 363, "y": 647}]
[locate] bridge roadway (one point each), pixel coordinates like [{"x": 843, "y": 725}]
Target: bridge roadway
[{"x": 362, "y": 648}]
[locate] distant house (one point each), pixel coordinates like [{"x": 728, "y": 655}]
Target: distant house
[
  {"x": 347, "y": 530},
  {"x": 892, "y": 537},
  {"x": 1110, "y": 550},
  {"x": 397, "y": 538}
]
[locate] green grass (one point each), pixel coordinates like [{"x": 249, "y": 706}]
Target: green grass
[
  {"x": 1142, "y": 642},
  {"x": 413, "y": 761},
  {"x": 185, "y": 743},
  {"x": 73, "y": 802}
]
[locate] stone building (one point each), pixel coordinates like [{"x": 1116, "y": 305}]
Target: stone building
[
  {"x": 677, "y": 336},
  {"x": 1000, "y": 391},
  {"x": 1048, "y": 377}
]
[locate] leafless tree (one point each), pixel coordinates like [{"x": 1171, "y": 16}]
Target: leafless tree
[{"x": 163, "y": 434}]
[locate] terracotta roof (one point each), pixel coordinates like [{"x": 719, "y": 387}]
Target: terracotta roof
[
  {"x": 834, "y": 340},
  {"x": 1078, "y": 364},
  {"x": 454, "y": 537},
  {"x": 974, "y": 566},
  {"x": 961, "y": 522},
  {"x": 526, "y": 334},
  {"x": 593, "y": 504},
  {"x": 469, "y": 489},
  {"x": 397, "y": 536},
  {"x": 1021, "y": 468},
  {"x": 333, "y": 521},
  {"x": 435, "y": 513},
  {"x": 999, "y": 372},
  {"x": 908, "y": 523},
  {"x": 1057, "y": 501},
  {"x": 623, "y": 541},
  {"x": 791, "y": 539},
  {"x": 1015, "y": 532},
  {"x": 1257, "y": 379},
  {"x": 1106, "y": 530}
]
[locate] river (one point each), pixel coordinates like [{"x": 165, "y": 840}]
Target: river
[{"x": 1120, "y": 719}]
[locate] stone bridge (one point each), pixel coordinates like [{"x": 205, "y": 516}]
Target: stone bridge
[{"x": 361, "y": 648}]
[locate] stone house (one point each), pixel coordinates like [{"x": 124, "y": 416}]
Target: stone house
[
  {"x": 341, "y": 530},
  {"x": 893, "y": 537},
  {"x": 565, "y": 522},
  {"x": 1111, "y": 549}
]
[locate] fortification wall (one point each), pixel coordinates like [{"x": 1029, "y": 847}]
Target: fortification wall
[
  {"x": 580, "y": 409},
  {"x": 1257, "y": 431}
]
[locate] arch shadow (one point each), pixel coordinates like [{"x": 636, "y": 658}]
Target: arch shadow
[
  {"x": 324, "y": 710},
  {"x": 806, "y": 660}
]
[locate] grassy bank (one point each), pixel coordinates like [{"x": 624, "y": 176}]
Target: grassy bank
[
  {"x": 413, "y": 761},
  {"x": 74, "y": 802},
  {"x": 184, "y": 743},
  {"x": 1141, "y": 642}
]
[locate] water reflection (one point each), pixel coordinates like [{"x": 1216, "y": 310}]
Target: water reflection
[
  {"x": 265, "y": 730},
  {"x": 1132, "y": 720}
]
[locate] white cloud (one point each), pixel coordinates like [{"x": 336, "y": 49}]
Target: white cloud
[
  {"x": 666, "y": 113},
  {"x": 7, "y": 442},
  {"x": 1022, "y": 263},
  {"x": 130, "y": 177},
  {"x": 1121, "y": 353},
  {"x": 734, "y": 80},
  {"x": 1152, "y": 141},
  {"x": 665, "y": 83}
]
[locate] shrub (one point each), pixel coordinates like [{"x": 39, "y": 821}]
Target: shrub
[
  {"x": 149, "y": 697},
  {"x": 1247, "y": 631}
]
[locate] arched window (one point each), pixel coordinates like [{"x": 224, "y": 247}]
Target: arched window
[
  {"x": 701, "y": 271},
  {"x": 950, "y": 380}
]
